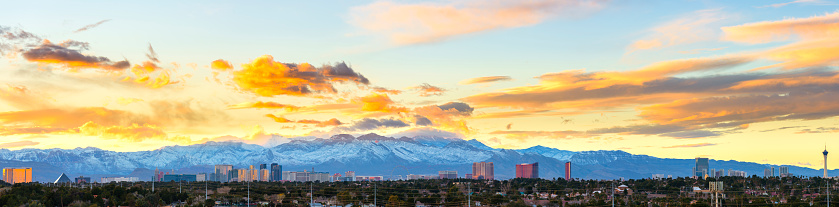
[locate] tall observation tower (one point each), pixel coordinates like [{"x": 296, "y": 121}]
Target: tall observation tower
[{"x": 825, "y": 161}]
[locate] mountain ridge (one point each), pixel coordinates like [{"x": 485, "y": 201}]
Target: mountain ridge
[{"x": 369, "y": 154}]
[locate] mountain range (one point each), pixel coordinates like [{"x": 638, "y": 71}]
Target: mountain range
[{"x": 369, "y": 154}]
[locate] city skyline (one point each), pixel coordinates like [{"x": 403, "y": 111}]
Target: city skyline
[{"x": 681, "y": 79}]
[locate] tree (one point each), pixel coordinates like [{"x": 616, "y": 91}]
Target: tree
[{"x": 393, "y": 201}]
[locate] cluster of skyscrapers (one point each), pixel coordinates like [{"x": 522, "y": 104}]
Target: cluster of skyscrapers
[
  {"x": 701, "y": 171},
  {"x": 226, "y": 173},
  {"x": 783, "y": 172}
]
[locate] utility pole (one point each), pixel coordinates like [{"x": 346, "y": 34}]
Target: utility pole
[
  {"x": 311, "y": 192},
  {"x": 470, "y": 194},
  {"x": 205, "y": 187},
  {"x": 613, "y": 193},
  {"x": 249, "y": 193},
  {"x": 375, "y": 189}
]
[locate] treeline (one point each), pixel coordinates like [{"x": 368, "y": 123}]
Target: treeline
[{"x": 739, "y": 191}]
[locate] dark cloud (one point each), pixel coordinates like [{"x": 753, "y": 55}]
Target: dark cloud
[
  {"x": 782, "y": 128},
  {"x": 76, "y": 44},
  {"x": 13, "y": 35},
  {"x": 152, "y": 55},
  {"x": 691, "y": 145},
  {"x": 462, "y": 108},
  {"x": 90, "y": 26},
  {"x": 426, "y": 132},
  {"x": 342, "y": 72},
  {"x": 56, "y": 54},
  {"x": 819, "y": 130},
  {"x": 708, "y": 112},
  {"x": 426, "y": 89},
  {"x": 692, "y": 134},
  {"x": 371, "y": 124},
  {"x": 422, "y": 121}
]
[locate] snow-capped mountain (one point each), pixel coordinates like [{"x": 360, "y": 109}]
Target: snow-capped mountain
[{"x": 369, "y": 154}]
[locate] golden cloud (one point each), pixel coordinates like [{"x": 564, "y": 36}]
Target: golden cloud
[
  {"x": 816, "y": 27},
  {"x": 578, "y": 89},
  {"x": 221, "y": 65},
  {"x": 133, "y": 132},
  {"x": 266, "y": 77},
  {"x": 487, "y": 79},
  {"x": 330, "y": 122},
  {"x": 264, "y": 105},
  {"x": 379, "y": 103}
]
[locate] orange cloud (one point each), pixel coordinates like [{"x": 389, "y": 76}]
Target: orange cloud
[
  {"x": 22, "y": 98},
  {"x": 18, "y": 144},
  {"x": 738, "y": 110},
  {"x": 385, "y": 90},
  {"x": 330, "y": 122},
  {"x": 521, "y": 135},
  {"x": 426, "y": 89},
  {"x": 816, "y": 27},
  {"x": 578, "y": 89},
  {"x": 450, "y": 116},
  {"x": 487, "y": 79},
  {"x": 266, "y": 77},
  {"x": 49, "y": 53},
  {"x": 149, "y": 74},
  {"x": 126, "y": 101},
  {"x": 379, "y": 103},
  {"x": 221, "y": 65},
  {"x": 692, "y": 28},
  {"x": 71, "y": 118},
  {"x": 429, "y": 22},
  {"x": 134, "y": 132},
  {"x": 264, "y": 105}
]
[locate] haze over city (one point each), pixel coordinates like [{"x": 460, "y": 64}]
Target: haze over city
[{"x": 752, "y": 81}]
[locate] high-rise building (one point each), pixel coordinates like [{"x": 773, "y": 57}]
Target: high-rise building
[
  {"x": 82, "y": 179},
  {"x": 264, "y": 175},
  {"x": 350, "y": 175},
  {"x": 768, "y": 172},
  {"x": 525, "y": 170},
  {"x": 567, "y": 170},
  {"x": 701, "y": 169},
  {"x": 447, "y": 174},
  {"x": 263, "y": 166},
  {"x": 201, "y": 177},
  {"x": 783, "y": 171},
  {"x": 483, "y": 170},
  {"x": 180, "y": 178},
  {"x": 253, "y": 174},
  {"x": 17, "y": 175},
  {"x": 119, "y": 179},
  {"x": 825, "y": 161},
  {"x": 244, "y": 175},
  {"x": 223, "y": 173},
  {"x": 736, "y": 173},
  {"x": 276, "y": 172}
]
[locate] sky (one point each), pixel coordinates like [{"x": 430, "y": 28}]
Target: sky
[{"x": 752, "y": 80}]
